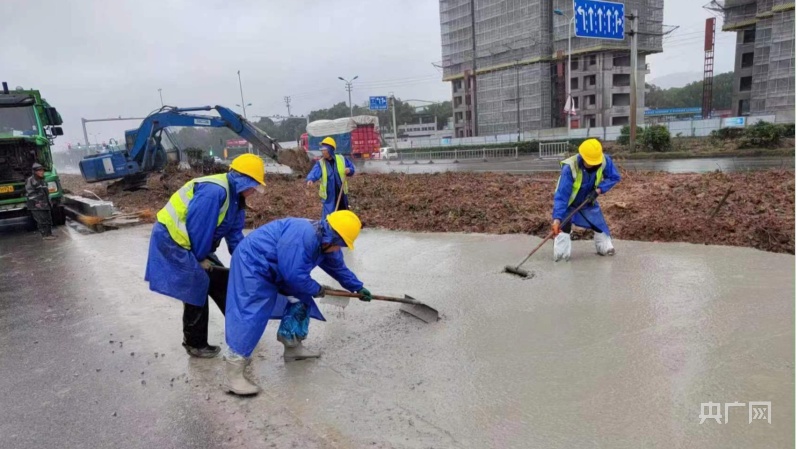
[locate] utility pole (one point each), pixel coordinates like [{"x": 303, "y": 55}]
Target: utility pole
[
  {"x": 241, "y": 88},
  {"x": 633, "y": 102},
  {"x": 349, "y": 90},
  {"x": 393, "y": 113},
  {"x": 288, "y": 104},
  {"x": 160, "y": 95},
  {"x": 474, "y": 117},
  {"x": 517, "y": 100}
]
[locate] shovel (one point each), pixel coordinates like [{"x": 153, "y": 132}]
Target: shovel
[
  {"x": 516, "y": 270},
  {"x": 409, "y": 304}
]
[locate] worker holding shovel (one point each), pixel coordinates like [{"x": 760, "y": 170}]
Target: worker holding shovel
[
  {"x": 584, "y": 176},
  {"x": 270, "y": 279},
  {"x": 332, "y": 170},
  {"x": 189, "y": 229}
]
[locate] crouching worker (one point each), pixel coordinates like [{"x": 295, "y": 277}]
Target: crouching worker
[
  {"x": 189, "y": 229},
  {"x": 585, "y": 176},
  {"x": 270, "y": 279}
]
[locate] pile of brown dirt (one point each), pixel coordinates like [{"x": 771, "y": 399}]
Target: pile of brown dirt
[
  {"x": 647, "y": 206},
  {"x": 297, "y": 159}
]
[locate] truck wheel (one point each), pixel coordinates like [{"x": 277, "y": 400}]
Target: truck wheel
[{"x": 59, "y": 217}]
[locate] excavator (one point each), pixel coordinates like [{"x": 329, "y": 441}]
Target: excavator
[{"x": 144, "y": 154}]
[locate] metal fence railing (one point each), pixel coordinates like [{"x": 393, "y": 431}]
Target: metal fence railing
[
  {"x": 457, "y": 155},
  {"x": 553, "y": 149},
  {"x": 686, "y": 128}
]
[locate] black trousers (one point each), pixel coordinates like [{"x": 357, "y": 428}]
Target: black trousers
[
  {"x": 44, "y": 221},
  {"x": 195, "y": 319}
]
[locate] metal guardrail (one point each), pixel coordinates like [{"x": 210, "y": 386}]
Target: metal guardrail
[
  {"x": 456, "y": 155},
  {"x": 550, "y": 150}
]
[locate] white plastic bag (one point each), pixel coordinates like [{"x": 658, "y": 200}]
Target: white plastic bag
[
  {"x": 562, "y": 247},
  {"x": 603, "y": 244}
]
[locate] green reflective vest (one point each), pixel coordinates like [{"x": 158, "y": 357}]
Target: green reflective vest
[
  {"x": 340, "y": 165},
  {"x": 573, "y": 163},
  {"x": 173, "y": 215}
]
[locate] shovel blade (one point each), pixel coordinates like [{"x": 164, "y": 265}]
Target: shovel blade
[{"x": 421, "y": 311}]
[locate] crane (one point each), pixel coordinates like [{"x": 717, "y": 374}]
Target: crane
[{"x": 143, "y": 153}]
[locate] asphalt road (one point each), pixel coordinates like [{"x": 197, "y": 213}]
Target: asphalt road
[{"x": 533, "y": 165}]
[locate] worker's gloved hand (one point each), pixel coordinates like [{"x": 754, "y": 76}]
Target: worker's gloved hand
[
  {"x": 206, "y": 264},
  {"x": 365, "y": 294},
  {"x": 592, "y": 196},
  {"x": 310, "y": 183},
  {"x": 321, "y": 293},
  {"x": 348, "y": 171},
  {"x": 555, "y": 227}
]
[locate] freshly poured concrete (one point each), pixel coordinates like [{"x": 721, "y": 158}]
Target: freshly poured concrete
[{"x": 598, "y": 352}]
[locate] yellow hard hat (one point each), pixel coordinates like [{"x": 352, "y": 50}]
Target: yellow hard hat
[
  {"x": 591, "y": 152},
  {"x": 329, "y": 141},
  {"x": 250, "y": 165},
  {"x": 346, "y": 224}
]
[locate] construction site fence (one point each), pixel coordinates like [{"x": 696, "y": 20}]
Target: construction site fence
[
  {"x": 684, "y": 128},
  {"x": 457, "y": 155}
]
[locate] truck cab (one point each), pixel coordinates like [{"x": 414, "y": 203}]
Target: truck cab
[{"x": 28, "y": 125}]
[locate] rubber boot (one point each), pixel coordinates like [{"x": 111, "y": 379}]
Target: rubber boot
[
  {"x": 207, "y": 352},
  {"x": 295, "y": 351},
  {"x": 234, "y": 381}
]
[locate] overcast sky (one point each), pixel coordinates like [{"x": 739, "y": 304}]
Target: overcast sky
[{"x": 99, "y": 58}]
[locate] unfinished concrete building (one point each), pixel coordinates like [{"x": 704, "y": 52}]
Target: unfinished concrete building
[
  {"x": 506, "y": 62},
  {"x": 764, "y": 63}
]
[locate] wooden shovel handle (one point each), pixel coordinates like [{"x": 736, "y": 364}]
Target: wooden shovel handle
[{"x": 347, "y": 294}]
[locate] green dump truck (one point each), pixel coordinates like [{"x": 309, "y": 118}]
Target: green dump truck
[{"x": 28, "y": 125}]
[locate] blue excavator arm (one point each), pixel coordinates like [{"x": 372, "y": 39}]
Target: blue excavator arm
[{"x": 146, "y": 155}]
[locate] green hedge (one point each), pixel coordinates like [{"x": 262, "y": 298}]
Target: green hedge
[{"x": 760, "y": 135}]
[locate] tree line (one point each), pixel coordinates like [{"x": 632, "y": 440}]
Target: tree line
[
  {"x": 290, "y": 129},
  {"x": 690, "y": 96}
]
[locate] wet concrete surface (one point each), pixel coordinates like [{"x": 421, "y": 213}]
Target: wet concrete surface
[
  {"x": 529, "y": 164},
  {"x": 598, "y": 352}
]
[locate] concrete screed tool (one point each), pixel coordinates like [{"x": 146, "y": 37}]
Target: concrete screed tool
[
  {"x": 516, "y": 270},
  {"x": 410, "y": 305}
]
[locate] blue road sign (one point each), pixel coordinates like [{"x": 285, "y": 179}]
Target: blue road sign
[
  {"x": 734, "y": 122},
  {"x": 378, "y": 103},
  {"x": 599, "y": 20}
]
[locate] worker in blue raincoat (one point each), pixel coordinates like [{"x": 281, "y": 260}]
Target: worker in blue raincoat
[
  {"x": 270, "y": 279},
  {"x": 332, "y": 171},
  {"x": 584, "y": 176},
  {"x": 184, "y": 240}
]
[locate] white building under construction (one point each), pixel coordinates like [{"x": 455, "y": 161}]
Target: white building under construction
[
  {"x": 502, "y": 54},
  {"x": 764, "y": 63}
]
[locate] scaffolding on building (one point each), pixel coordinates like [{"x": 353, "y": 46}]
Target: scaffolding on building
[
  {"x": 772, "y": 22},
  {"x": 510, "y": 47}
]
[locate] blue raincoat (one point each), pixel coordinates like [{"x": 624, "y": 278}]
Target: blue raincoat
[
  {"x": 333, "y": 184},
  {"x": 273, "y": 262},
  {"x": 175, "y": 271},
  {"x": 590, "y": 216}
]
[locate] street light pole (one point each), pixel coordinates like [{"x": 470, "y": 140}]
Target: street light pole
[
  {"x": 571, "y": 18},
  {"x": 241, "y": 88},
  {"x": 161, "y": 96},
  {"x": 393, "y": 114},
  {"x": 349, "y": 90}
]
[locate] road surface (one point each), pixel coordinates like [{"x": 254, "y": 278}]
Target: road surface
[
  {"x": 533, "y": 165},
  {"x": 597, "y": 352}
]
